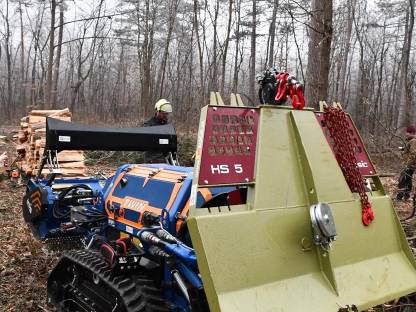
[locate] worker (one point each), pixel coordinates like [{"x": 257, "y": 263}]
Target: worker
[
  {"x": 161, "y": 117},
  {"x": 409, "y": 158}
]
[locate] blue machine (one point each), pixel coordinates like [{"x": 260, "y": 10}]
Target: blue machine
[{"x": 133, "y": 251}]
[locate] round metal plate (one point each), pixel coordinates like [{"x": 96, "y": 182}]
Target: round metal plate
[{"x": 325, "y": 219}]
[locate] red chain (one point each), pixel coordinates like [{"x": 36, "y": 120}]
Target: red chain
[{"x": 337, "y": 122}]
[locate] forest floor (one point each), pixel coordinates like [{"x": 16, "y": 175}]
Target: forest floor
[{"x": 25, "y": 262}]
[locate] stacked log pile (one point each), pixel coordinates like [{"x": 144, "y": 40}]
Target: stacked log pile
[
  {"x": 3, "y": 163},
  {"x": 31, "y": 141}
]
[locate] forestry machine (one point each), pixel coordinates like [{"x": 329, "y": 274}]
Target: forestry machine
[{"x": 283, "y": 211}]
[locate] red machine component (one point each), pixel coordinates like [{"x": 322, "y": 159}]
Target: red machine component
[
  {"x": 364, "y": 163},
  {"x": 229, "y": 147},
  {"x": 288, "y": 85},
  {"x": 342, "y": 135},
  {"x": 108, "y": 253},
  {"x": 123, "y": 245}
]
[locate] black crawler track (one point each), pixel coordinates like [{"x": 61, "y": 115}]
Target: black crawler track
[
  {"x": 82, "y": 281},
  {"x": 65, "y": 243}
]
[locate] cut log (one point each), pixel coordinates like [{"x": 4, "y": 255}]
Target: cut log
[
  {"x": 71, "y": 172},
  {"x": 67, "y": 156},
  {"x": 62, "y": 112},
  {"x": 21, "y": 148},
  {"x": 79, "y": 165},
  {"x": 38, "y": 119},
  {"x": 3, "y": 139},
  {"x": 39, "y": 143},
  {"x": 21, "y": 136}
]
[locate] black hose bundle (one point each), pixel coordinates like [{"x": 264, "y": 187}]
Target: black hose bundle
[{"x": 57, "y": 204}]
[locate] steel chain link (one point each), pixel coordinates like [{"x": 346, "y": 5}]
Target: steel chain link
[{"x": 339, "y": 128}]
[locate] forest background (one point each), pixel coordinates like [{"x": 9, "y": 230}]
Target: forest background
[{"x": 109, "y": 61}]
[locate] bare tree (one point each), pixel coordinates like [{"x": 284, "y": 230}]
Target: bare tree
[
  {"x": 252, "y": 81},
  {"x": 22, "y": 98},
  {"x": 48, "y": 93},
  {"x": 173, "y": 6},
  {"x": 226, "y": 43},
  {"x": 405, "y": 86},
  {"x": 272, "y": 34},
  {"x": 320, "y": 36},
  {"x": 184, "y": 48},
  {"x": 58, "y": 55},
  {"x": 237, "y": 36},
  {"x": 147, "y": 55},
  {"x": 8, "y": 101},
  {"x": 341, "y": 87}
]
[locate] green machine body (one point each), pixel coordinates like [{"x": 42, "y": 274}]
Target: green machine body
[{"x": 298, "y": 242}]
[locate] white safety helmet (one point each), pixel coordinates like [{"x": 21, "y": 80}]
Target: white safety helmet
[{"x": 163, "y": 106}]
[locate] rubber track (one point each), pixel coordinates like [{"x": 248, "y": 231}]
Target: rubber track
[{"x": 137, "y": 292}]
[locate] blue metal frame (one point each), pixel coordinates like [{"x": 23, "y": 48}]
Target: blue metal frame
[{"x": 185, "y": 258}]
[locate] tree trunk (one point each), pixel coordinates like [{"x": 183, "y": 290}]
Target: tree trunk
[
  {"x": 346, "y": 49},
  {"x": 320, "y": 37},
  {"x": 200, "y": 52},
  {"x": 48, "y": 90},
  {"x": 22, "y": 101},
  {"x": 173, "y": 5},
  {"x": 227, "y": 40},
  {"x": 325, "y": 50},
  {"x": 252, "y": 78},
  {"x": 36, "y": 39},
  {"x": 314, "y": 52},
  {"x": 378, "y": 99},
  {"x": 406, "y": 90},
  {"x": 272, "y": 35},
  {"x": 237, "y": 46},
  {"x": 58, "y": 57},
  {"x": 9, "y": 99},
  {"x": 360, "y": 100},
  {"x": 214, "y": 65},
  {"x": 147, "y": 52}
]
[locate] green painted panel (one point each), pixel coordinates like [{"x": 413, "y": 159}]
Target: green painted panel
[{"x": 259, "y": 257}]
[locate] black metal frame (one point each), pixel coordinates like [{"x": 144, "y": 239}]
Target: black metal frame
[{"x": 63, "y": 135}]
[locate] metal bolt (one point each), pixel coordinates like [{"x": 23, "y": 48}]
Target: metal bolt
[
  {"x": 206, "y": 181},
  {"x": 252, "y": 110},
  {"x": 214, "y": 108},
  {"x": 246, "y": 179}
]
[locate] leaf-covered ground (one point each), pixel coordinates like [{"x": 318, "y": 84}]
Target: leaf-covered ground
[{"x": 25, "y": 262}]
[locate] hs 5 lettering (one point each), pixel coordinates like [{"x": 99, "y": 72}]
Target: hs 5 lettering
[{"x": 225, "y": 169}]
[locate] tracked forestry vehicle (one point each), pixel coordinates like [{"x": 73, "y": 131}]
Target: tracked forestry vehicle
[{"x": 283, "y": 211}]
